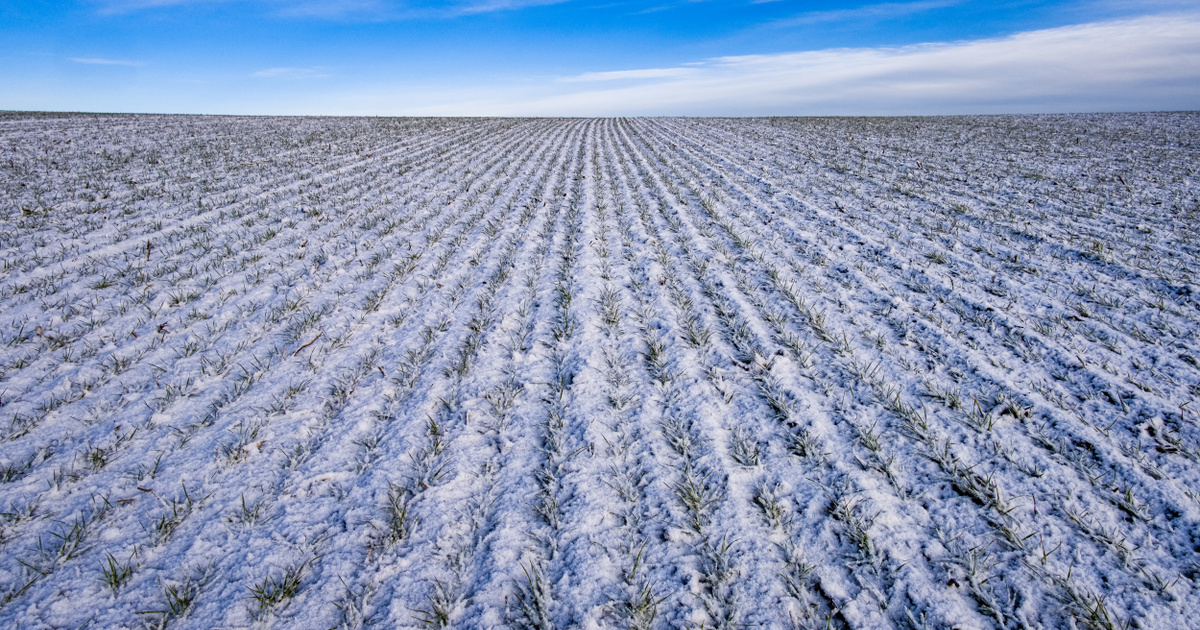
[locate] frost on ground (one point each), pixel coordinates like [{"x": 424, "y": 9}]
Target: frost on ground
[{"x": 863, "y": 373}]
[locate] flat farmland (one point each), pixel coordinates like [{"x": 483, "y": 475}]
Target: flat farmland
[{"x": 613, "y": 373}]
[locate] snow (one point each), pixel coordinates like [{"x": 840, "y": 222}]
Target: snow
[{"x": 647, "y": 373}]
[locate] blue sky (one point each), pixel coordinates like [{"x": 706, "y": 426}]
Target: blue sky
[{"x": 599, "y": 57}]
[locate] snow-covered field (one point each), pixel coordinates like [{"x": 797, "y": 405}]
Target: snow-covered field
[{"x": 664, "y": 373}]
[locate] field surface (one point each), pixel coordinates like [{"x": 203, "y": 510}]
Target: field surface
[{"x": 646, "y": 373}]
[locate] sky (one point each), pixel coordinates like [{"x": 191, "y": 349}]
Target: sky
[{"x": 600, "y": 57}]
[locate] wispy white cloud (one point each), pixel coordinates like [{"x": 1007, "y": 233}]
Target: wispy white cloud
[
  {"x": 97, "y": 61},
  {"x": 620, "y": 75},
  {"x": 882, "y": 11},
  {"x": 291, "y": 8},
  {"x": 474, "y": 7},
  {"x": 354, "y": 10},
  {"x": 129, "y": 6},
  {"x": 1136, "y": 64},
  {"x": 315, "y": 72},
  {"x": 369, "y": 10}
]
